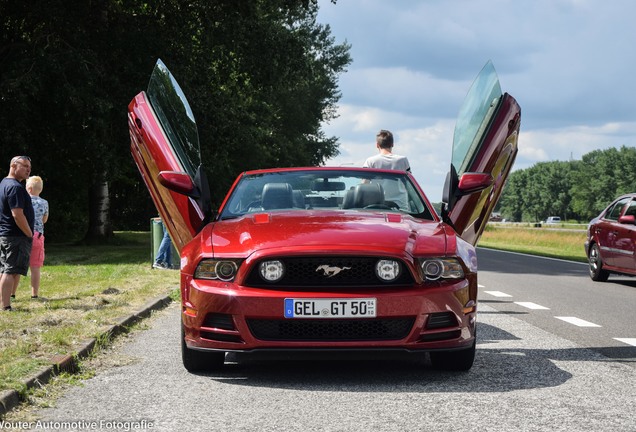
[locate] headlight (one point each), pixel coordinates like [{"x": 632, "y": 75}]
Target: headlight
[
  {"x": 271, "y": 271},
  {"x": 446, "y": 268},
  {"x": 220, "y": 269},
  {"x": 387, "y": 270}
]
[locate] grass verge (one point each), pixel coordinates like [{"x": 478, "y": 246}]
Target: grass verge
[
  {"x": 555, "y": 243},
  {"x": 84, "y": 290}
]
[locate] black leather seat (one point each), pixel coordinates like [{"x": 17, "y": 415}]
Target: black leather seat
[
  {"x": 277, "y": 196},
  {"x": 347, "y": 201},
  {"x": 364, "y": 194}
]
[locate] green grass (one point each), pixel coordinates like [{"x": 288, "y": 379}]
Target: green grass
[
  {"x": 84, "y": 290},
  {"x": 551, "y": 242}
]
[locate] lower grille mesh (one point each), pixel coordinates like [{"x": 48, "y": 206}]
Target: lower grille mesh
[{"x": 331, "y": 330}]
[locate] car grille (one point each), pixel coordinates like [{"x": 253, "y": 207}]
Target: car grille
[
  {"x": 305, "y": 272},
  {"x": 331, "y": 330}
]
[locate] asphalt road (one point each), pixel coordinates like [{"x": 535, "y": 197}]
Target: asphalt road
[
  {"x": 532, "y": 372},
  {"x": 559, "y": 297}
]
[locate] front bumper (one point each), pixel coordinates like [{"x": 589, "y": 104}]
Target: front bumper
[{"x": 225, "y": 317}]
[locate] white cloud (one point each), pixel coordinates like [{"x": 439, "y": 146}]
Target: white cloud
[
  {"x": 568, "y": 63},
  {"x": 571, "y": 143}
]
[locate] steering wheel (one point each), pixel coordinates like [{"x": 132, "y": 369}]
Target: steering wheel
[
  {"x": 254, "y": 206},
  {"x": 378, "y": 207}
]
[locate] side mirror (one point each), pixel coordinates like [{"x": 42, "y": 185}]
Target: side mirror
[
  {"x": 627, "y": 220},
  {"x": 178, "y": 182},
  {"x": 474, "y": 182},
  {"x": 455, "y": 187},
  {"x": 450, "y": 187}
]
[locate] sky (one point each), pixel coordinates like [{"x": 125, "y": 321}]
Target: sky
[{"x": 570, "y": 64}]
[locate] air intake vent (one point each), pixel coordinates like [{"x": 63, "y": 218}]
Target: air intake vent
[
  {"x": 331, "y": 330},
  {"x": 219, "y": 321},
  {"x": 441, "y": 320}
]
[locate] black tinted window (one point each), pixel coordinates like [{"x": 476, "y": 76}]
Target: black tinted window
[
  {"x": 631, "y": 210},
  {"x": 176, "y": 118},
  {"x": 616, "y": 211}
]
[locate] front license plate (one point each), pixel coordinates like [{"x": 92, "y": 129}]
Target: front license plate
[{"x": 330, "y": 308}]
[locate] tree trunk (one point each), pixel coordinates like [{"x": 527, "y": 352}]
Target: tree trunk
[{"x": 99, "y": 224}]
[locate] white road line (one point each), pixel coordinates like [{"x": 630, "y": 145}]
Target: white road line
[
  {"x": 578, "y": 322},
  {"x": 531, "y": 305},
  {"x": 628, "y": 341},
  {"x": 497, "y": 294}
]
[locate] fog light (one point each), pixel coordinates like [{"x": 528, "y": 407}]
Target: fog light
[
  {"x": 387, "y": 270},
  {"x": 272, "y": 271}
]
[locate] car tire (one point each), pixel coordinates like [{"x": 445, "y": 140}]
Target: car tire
[
  {"x": 458, "y": 361},
  {"x": 597, "y": 273},
  {"x": 200, "y": 361}
]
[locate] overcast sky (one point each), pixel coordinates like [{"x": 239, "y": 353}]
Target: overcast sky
[{"x": 571, "y": 65}]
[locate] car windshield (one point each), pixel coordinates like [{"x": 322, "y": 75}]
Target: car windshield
[{"x": 361, "y": 190}]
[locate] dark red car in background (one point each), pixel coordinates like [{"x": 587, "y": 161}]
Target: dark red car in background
[
  {"x": 325, "y": 258},
  {"x": 611, "y": 240}
]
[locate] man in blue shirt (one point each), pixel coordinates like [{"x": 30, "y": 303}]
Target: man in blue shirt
[{"x": 16, "y": 227}]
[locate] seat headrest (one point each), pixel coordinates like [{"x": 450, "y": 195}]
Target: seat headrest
[
  {"x": 277, "y": 196},
  {"x": 368, "y": 194}
]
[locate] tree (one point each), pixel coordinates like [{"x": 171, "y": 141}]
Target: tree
[
  {"x": 601, "y": 176},
  {"x": 512, "y": 204},
  {"x": 63, "y": 99},
  {"x": 573, "y": 189},
  {"x": 539, "y": 191},
  {"x": 261, "y": 77}
]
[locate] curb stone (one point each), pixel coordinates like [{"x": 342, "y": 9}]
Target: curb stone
[{"x": 9, "y": 399}]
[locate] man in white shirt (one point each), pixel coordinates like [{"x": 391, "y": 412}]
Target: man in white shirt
[
  {"x": 386, "y": 159},
  {"x": 393, "y": 190}
]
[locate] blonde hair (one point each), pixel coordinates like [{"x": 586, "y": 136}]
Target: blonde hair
[{"x": 35, "y": 182}]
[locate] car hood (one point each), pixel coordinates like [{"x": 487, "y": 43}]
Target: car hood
[{"x": 316, "y": 232}]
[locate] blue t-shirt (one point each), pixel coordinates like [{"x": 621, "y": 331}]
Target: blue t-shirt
[{"x": 13, "y": 194}]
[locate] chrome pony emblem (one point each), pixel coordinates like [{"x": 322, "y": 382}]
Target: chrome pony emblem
[{"x": 330, "y": 271}]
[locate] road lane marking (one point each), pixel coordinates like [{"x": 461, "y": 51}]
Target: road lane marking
[
  {"x": 531, "y": 305},
  {"x": 628, "y": 341},
  {"x": 497, "y": 294},
  {"x": 578, "y": 322}
]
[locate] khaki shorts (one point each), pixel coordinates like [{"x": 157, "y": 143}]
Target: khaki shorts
[{"x": 15, "y": 252}]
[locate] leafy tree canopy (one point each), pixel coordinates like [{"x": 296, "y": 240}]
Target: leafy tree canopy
[
  {"x": 260, "y": 75},
  {"x": 577, "y": 190}
]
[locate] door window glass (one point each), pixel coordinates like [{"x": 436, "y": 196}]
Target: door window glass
[
  {"x": 615, "y": 212},
  {"x": 177, "y": 120},
  {"x": 631, "y": 210},
  {"x": 474, "y": 116}
]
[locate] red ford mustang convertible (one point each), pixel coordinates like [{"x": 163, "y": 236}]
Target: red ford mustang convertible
[{"x": 322, "y": 258}]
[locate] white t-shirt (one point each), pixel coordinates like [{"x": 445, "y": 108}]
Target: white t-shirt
[
  {"x": 388, "y": 161},
  {"x": 393, "y": 190}
]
